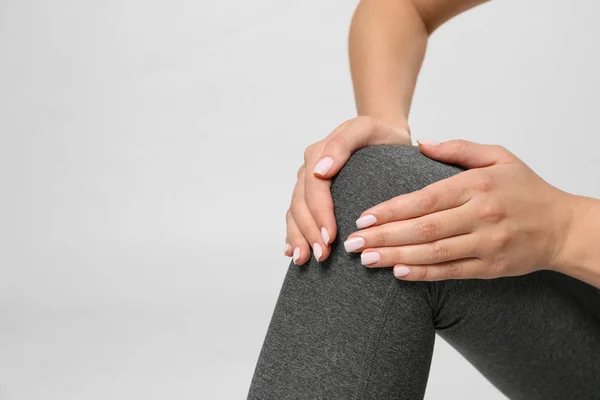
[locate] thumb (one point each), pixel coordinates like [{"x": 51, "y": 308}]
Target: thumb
[
  {"x": 352, "y": 136},
  {"x": 464, "y": 153}
]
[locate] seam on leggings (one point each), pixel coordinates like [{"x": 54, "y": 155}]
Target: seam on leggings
[
  {"x": 374, "y": 341},
  {"x": 450, "y": 288},
  {"x": 434, "y": 298}
]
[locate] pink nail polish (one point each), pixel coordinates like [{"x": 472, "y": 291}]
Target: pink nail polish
[
  {"x": 325, "y": 235},
  {"x": 369, "y": 257},
  {"x": 400, "y": 271},
  {"x": 427, "y": 142},
  {"x": 354, "y": 244},
  {"x": 323, "y": 166},
  {"x": 318, "y": 252},
  {"x": 296, "y": 255},
  {"x": 365, "y": 220}
]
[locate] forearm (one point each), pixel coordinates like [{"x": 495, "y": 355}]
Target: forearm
[
  {"x": 579, "y": 256},
  {"x": 386, "y": 45}
]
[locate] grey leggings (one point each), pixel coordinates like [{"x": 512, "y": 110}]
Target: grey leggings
[{"x": 343, "y": 331}]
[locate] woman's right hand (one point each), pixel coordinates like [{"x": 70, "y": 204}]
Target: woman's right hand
[{"x": 310, "y": 219}]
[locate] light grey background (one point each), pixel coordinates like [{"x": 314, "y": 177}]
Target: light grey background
[{"x": 148, "y": 151}]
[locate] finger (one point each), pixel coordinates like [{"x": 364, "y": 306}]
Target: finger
[
  {"x": 430, "y": 227},
  {"x": 300, "y": 249},
  {"x": 459, "y": 269},
  {"x": 351, "y": 136},
  {"x": 445, "y": 194},
  {"x": 289, "y": 250},
  {"x": 454, "y": 248},
  {"x": 317, "y": 194},
  {"x": 306, "y": 223},
  {"x": 465, "y": 153}
]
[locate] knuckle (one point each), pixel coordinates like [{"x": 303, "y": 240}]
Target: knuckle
[
  {"x": 461, "y": 145},
  {"x": 379, "y": 239},
  {"x": 490, "y": 212},
  {"x": 299, "y": 172},
  {"x": 306, "y": 154},
  {"x": 439, "y": 252},
  {"x": 423, "y": 273},
  {"x": 455, "y": 270},
  {"x": 426, "y": 230},
  {"x": 499, "y": 240},
  {"x": 397, "y": 254},
  {"x": 499, "y": 148},
  {"x": 426, "y": 201},
  {"x": 484, "y": 184},
  {"x": 504, "y": 153},
  {"x": 349, "y": 121},
  {"x": 310, "y": 149}
]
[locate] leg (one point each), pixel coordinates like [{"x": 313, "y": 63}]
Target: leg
[
  {"x": 535, "y": 337},
  {"x": 343, "y": 331}
]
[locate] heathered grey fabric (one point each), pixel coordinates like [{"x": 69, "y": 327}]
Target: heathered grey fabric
[{"x": 343, "y": 331}]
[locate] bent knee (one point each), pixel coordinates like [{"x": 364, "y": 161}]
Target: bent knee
[{"x": 374, "y": 174}]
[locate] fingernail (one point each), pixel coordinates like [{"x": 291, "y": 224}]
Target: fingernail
[
  {"x": 354, "y": 244},
  {"x": 323, "y": 166},
  {"x": 317, "y": 250},
  {"x": 287, "y": 248},
  {"x": 365, "y": 220},
  {"x": 369, "y": 257},
  {"x": 427, "y": 142},
  {"x": 401, "y": 271},
  {"x": 296, "y": 254},
  {"x": 325, "y": 235}
]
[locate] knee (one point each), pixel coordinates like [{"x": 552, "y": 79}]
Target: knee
[{"x": 375, "y": 174}]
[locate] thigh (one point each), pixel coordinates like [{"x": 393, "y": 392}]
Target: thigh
[
  {"x": 343, "y": 331},
  {"x": 535, "y": 336}
]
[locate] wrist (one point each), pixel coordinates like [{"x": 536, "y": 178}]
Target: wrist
[
  {"x": 397, "y": 121},
  {"x": 573, "y": 255},
  {"x": 563, "y": 232}
]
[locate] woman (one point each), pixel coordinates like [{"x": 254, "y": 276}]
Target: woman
[{"x": 502, "y": 265}]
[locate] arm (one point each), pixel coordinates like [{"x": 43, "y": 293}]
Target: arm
[{"x": 387, "y": 43}]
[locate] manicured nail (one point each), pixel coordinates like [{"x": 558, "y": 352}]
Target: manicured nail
[
  {"x": 354, "y": 244},
  {"x": 296, "y": 255},
  {"x": 365, "y": 220},
  {"x": 325, "y": 235},
  {"x": 317, "y": 251},
  {"x": 287, "y": 248},
  {"x": 369, "y": 257},
  {"x": 400, "y": 271},
  {"x": 323, "y": 166},
  {"x": 427, "y": 142}
]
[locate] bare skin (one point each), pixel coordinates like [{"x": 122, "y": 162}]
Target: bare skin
[{"x": 497, "y": 219}]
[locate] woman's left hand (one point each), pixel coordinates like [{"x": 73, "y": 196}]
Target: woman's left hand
[{"x": 497, "y": 218}]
